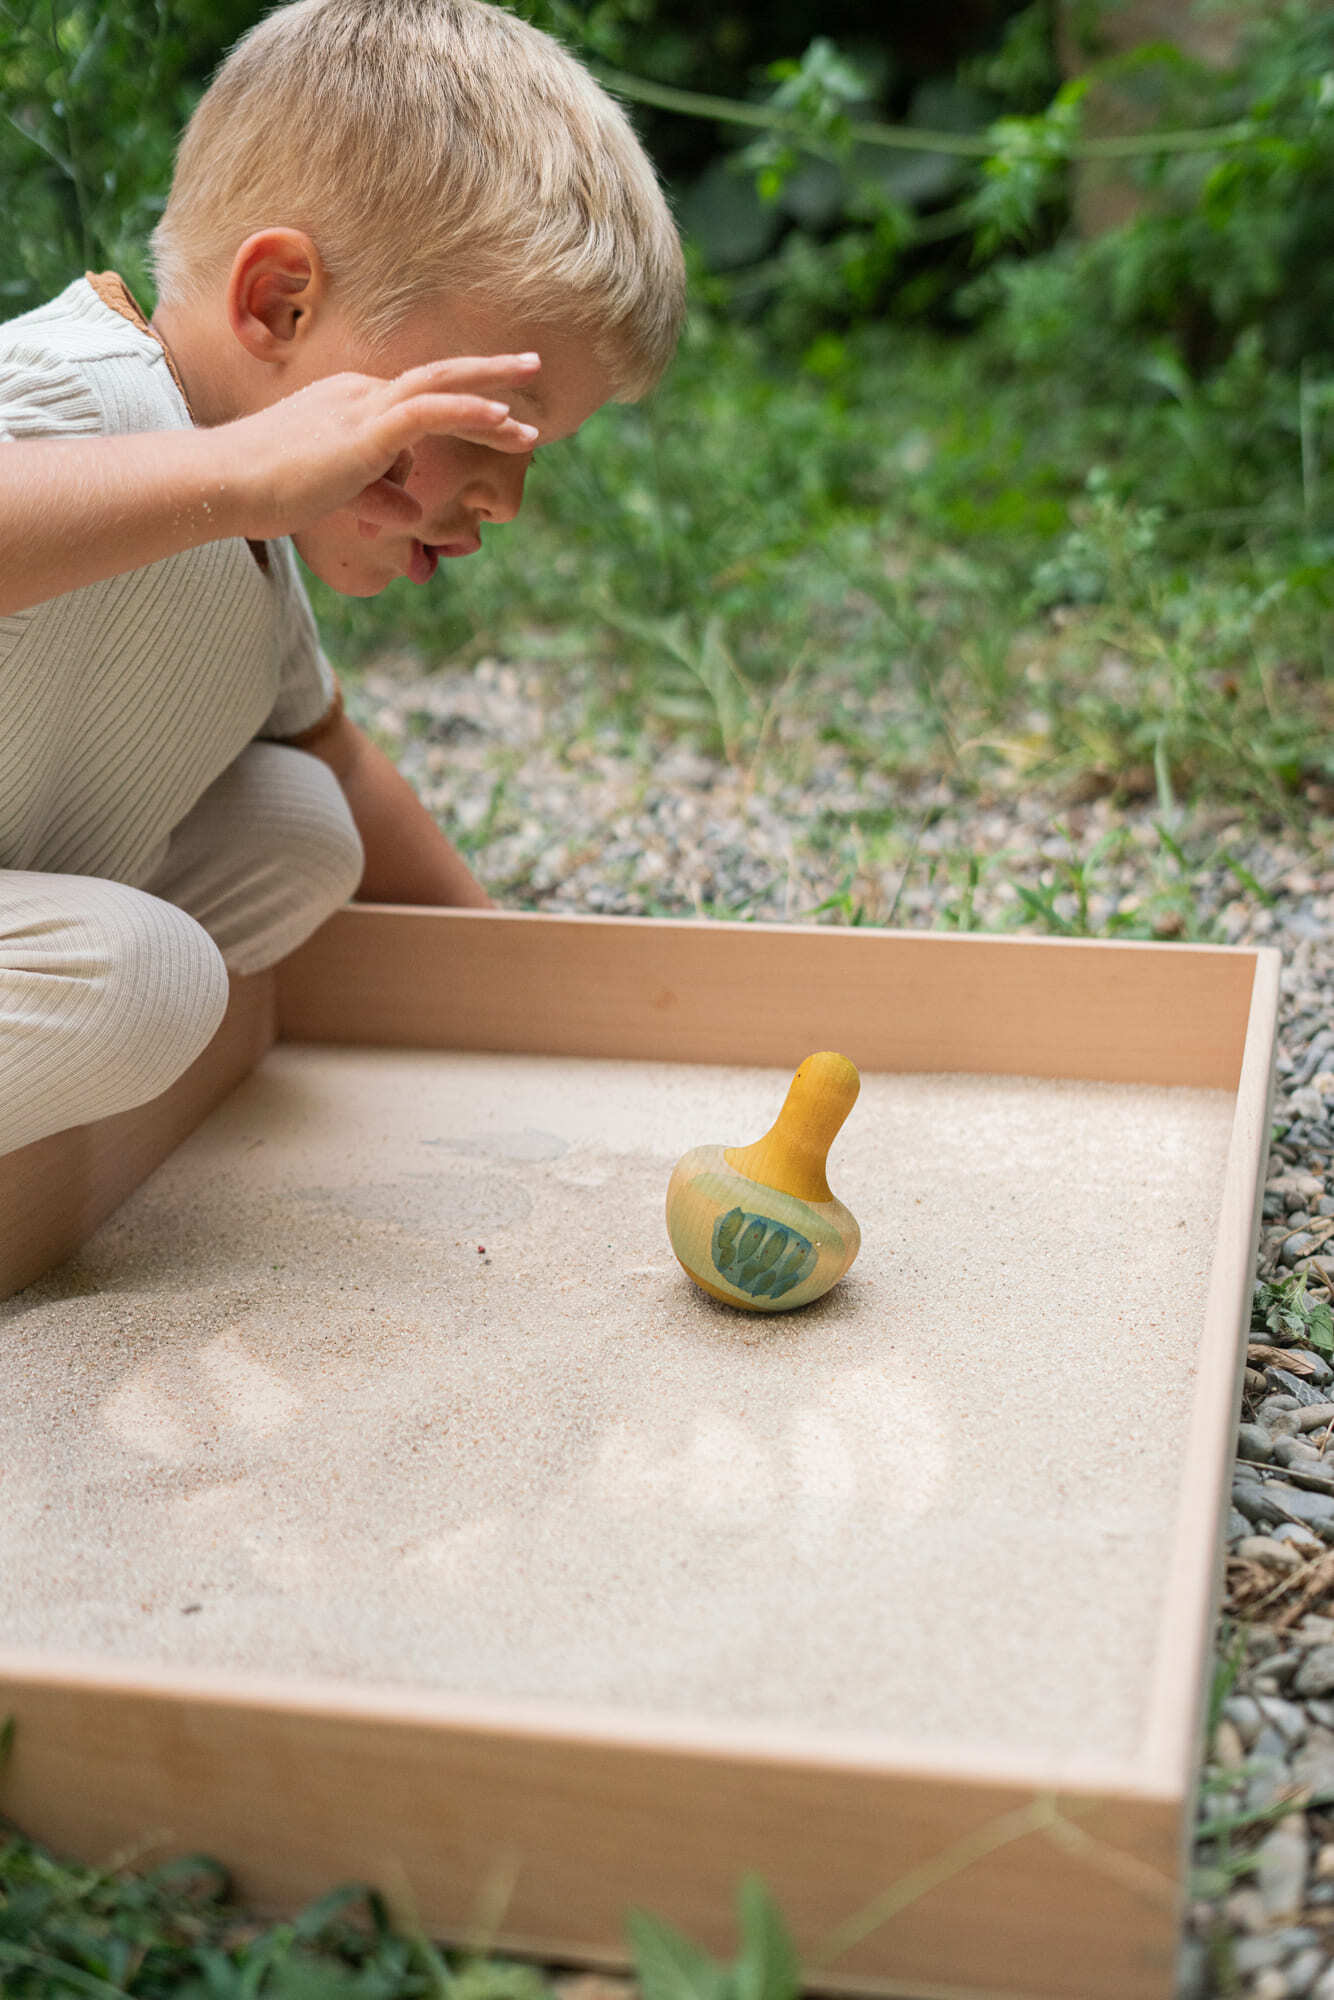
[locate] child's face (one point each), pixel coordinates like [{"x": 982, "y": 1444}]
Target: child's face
[{"x": 461, "y": 485}]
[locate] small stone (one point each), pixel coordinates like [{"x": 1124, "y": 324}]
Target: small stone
[
  {"x": 1302, "y": 1388},
  {"x": 1303, "y": 1971},
  {"x": 1228, "y": 1748},
  {"x": 1286, "y": 1716},
  {"x": 1273, "y": 1554},
  {"x": 1324, "y": 1986},
  {"x": 1277, "y": 1502},
  {"x": 1315, "y": 1415},
  {"x": 1313, "y": 1770},
  {"x": 1299, "y": 1245},
  {"x": 1237, "y": 1524},
  {"x": 1245, "y": 1911},
  {"x": 1244, "y": 1714},
  {"x": 1295, "y": 1535},
  {"x": 1252, "y": 1954},
  {"x": 1296, "y": 1451},
  {"x": 1280, "y": 1869},
  {"x": 1324, "y": 1863},
  {"x": 1315, "y": 1675},
  {"x": 1254, "y": 1443},
  {"x": 1271, "y": 1984},
  {"x": 1267, "y": 1771}
]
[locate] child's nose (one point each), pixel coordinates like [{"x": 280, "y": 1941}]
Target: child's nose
[{"x": 499, "y": 495}]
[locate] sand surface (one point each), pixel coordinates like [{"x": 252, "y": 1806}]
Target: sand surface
[{"x": 389, "y": 1374}]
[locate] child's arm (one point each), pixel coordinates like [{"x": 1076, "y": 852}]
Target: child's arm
[
  {"x": 76, "y": 510},
  {"x": 408, "y": 859}
]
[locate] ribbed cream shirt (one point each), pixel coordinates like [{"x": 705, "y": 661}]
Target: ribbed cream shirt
[{"x": 120, "y": 703}]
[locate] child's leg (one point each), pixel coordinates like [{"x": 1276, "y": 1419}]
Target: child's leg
[
  {"x": 106, "y": 995},
  {"x": 267, "y": 854}
]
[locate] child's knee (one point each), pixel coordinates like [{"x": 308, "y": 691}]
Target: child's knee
[
  {"x": 314, "y": 825},
  {"x": 106, "y": 996},
  {"x": 268, "y": 853}
]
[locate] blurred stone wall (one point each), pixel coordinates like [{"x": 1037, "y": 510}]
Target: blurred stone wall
[{"x": 1104, "y": 195}]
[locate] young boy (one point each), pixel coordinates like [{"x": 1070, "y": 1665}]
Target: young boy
[{"x": 408, "y": 242}]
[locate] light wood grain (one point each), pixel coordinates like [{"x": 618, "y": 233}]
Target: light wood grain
[
  {"x": 985, "y": 1889},
  {"x": 53, "y": 1194},
  {"x": 760, "y": 993},
  {"x": 1193, "y": 1584}
]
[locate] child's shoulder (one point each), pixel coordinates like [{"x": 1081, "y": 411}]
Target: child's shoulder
[
  {"x": 80, "y": 322},
  {"x": 81, "y": 361}
]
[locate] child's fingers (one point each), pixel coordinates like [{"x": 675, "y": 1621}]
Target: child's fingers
[
  {"x": 472, "y": 372},
  {"x": 443, "y": 415},
  {"x": 383, "y": 504}
]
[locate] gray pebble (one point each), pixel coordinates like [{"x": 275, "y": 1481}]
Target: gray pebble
[
  {"x": 1267, "y": 1770},
  {"x": 1324, "y": 1986},
  {"x": 1277, "y": 1502},
  {"x": 1299, "y": 1537},
  {"x": 1302, "y": 1971},
  {"x": 1243, "y": 1712},
  {"x": 1237, "y": 1525},
  {"x": 1313, "y": 1769},
  {"x": 1303, "y": 1391},
  {"x": 1254, "y": 1443},
  {"x": 1321, "y": 1712},
  {"x": 1296, "y": 1451},
  {"x": 1314, "y": 1415},
  {"x": 1315, "y": 1675},
  {"x": 1286, "y": 1716},
  {"x": 1280, "y": 1868},
  {"x": 1252, "y": 1954},
  {"x": 1300, "y": 1245}
]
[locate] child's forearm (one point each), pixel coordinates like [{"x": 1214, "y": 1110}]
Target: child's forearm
[
  {"x": 76, "y": 510},
  {"x": 408, "y": 858}
]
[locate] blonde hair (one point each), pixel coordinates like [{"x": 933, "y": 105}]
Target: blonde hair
[{"x": 427, "y": 147}]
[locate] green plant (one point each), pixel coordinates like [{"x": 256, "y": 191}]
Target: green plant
[
  {"x": 669, "y": 1967},
  {"x": 1286, "y": 1311}
]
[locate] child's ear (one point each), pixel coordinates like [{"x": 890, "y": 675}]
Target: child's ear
[{"x": 277, "y": 281}]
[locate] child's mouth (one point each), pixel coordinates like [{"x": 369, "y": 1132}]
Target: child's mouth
[{"x": 426, "y": 555}]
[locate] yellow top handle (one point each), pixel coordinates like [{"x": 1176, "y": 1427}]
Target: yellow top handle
[{"x": 792, "y": 1154}]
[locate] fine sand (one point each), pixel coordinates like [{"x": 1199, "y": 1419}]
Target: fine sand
[{"x": 389, "y": 1375}]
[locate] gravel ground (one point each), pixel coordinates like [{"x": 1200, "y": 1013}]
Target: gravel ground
[{"x": 560, "y": 814}]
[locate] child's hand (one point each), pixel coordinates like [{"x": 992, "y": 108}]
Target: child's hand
[{"x": 341, "y": 442}]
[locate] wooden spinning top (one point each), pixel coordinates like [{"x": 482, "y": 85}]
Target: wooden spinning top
[{"x": 757, "y": 1226}]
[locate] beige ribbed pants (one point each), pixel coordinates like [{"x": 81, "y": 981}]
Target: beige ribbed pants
[{"x": 107, "y": 992}]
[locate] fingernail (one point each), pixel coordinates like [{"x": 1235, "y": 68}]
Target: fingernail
[
  {"x": 527, "y": 357},
  {"x": 526, "y": 430}
]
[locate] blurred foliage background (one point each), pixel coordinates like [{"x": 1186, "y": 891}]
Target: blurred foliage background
[{"x": 1000, "y": 439}]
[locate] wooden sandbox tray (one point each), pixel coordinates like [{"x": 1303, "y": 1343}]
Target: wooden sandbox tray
[{"x": 381, "y": 1502}]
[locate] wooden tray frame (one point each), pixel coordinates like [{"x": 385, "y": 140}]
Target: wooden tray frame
[{"x": 900, "y": 1873}]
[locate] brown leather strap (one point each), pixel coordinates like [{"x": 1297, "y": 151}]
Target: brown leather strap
[{"x": 113, "y": 291}]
